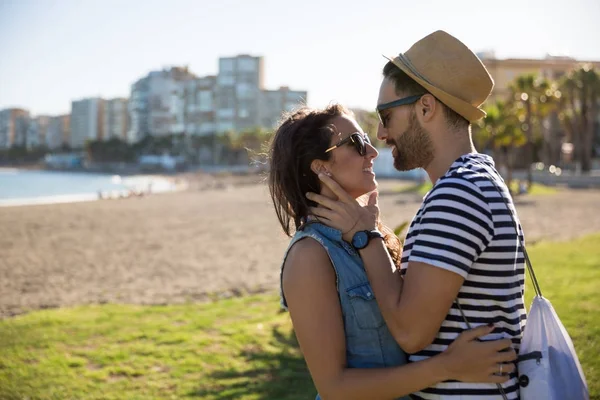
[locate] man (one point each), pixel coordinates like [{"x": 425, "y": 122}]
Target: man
[{"x": 461, "y": 250}]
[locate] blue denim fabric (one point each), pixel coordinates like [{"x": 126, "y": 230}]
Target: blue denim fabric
[{"x": 369, "y": 343}]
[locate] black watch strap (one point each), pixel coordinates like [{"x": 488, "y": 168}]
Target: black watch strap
[{"x": 361, "y": 239}]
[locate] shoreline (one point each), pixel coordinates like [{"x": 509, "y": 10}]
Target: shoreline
[
  {"x": 133, "y": 186},
  {"x": 47, "y": 200}
]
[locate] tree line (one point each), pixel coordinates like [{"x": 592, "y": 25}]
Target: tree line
[{"x": 538, "y": 117}]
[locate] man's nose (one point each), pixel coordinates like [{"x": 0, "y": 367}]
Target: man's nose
[{"x": 381, "y": 132}]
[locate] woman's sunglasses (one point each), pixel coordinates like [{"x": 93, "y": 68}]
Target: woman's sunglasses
[{"x": 359, "y": 140}]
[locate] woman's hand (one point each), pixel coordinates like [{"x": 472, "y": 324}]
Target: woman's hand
[
  {"x": 470, "y": 360},
  {"x": 345, "y": 214}
]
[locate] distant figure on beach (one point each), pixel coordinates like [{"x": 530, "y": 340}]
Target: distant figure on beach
[
  {"x": 462, "y": 262},
  {"x": 350, "y": 350}
]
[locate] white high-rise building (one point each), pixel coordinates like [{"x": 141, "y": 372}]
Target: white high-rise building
[
  {"x": 199, "y": 101},
  {"x": 37, "y": 131},
  {"x": 138, "y": 111},
  {"x": 175, "y": 101},
  {"x": 57, "y": 134},
  {"x": 239, "y": 85},
  {"x": 14, "y": 124},
  {"x": 86, "y": 121},
  {"x": 116, "y": 119},
  {"x": 156, "y": 104}
]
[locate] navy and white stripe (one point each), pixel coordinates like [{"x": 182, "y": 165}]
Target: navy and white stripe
[{"x": 464, "y": 226}]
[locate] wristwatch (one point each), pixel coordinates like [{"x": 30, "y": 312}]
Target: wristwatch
[{"x": 361, "y": 239}]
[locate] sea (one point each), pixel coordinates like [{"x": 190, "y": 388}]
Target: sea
[{"x": 29, "y": 187}]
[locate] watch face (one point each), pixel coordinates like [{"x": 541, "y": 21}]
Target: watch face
[{"x": 360, "y": 239}]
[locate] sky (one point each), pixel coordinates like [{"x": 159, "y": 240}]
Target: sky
[{"x": 55, "y": 51}]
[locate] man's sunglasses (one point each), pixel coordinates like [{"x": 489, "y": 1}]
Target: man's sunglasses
[
  {"x": 395, "y": 103},
  {"x": 359, "y": 140}
]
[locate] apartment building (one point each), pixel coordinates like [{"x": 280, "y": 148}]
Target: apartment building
[
  {"x": 116, "y": 119},
  {"x": 14, "y": 124},
  {"x": 239, "y": 86},
  {"x": 58, "y": 132},
  {"x": 156, "y": 105},
  {"x": 37, "y": 131},
  {"x": 176, "y": 101},
  {"x": 199, "y": 98},
  {"x": 87, "y": 117}
]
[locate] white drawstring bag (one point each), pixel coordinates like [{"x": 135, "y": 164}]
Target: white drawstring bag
[{"x": 548, "y": 366}]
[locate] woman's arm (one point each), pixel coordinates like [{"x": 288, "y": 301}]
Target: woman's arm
[{"x": 309, "y": 284}]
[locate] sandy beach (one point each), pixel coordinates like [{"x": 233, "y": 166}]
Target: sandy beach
[{"x": 219, "y": 238}]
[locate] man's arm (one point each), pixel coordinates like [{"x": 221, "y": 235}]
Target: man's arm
[
  {"x": 455, "y": 226},
  {"x": 414, "y": 307}
]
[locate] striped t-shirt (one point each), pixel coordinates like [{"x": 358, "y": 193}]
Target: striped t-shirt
[{"x": 464, "y": 226}]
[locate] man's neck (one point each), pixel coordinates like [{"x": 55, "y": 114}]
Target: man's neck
[{"x": 447, "y": 152}]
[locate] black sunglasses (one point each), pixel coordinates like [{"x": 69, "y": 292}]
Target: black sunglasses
[
  {"x": 359, "y": 140},
  {"x": 395, "y": 103}
]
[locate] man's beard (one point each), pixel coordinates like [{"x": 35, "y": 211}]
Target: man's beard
[{"x": 414, "y": 148}]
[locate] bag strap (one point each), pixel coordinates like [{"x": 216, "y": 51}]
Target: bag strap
[{"x": 513, "y": 218}]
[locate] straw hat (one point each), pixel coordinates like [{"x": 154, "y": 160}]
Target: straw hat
[{"x": 450, "y": 71}]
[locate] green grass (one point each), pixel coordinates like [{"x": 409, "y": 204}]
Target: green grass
[
  {"x": 230, "y": 349},
  {"x": 418, "y": 188},
  {"x": 422, "y": 188},
  {"x": 537, "y": 189},
  {"x": 241, "y": 348}
]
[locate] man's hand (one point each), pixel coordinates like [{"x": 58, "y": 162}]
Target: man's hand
[{"x": 345, "y": 214}]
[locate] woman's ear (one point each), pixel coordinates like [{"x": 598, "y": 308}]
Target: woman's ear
[{"x": 319, "y": 166}]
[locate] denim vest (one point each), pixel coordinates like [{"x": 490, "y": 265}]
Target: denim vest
[{"x": 369, "y": 343}]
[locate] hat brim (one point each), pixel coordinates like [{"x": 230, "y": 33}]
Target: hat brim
[{"x": 467, "y": 110}]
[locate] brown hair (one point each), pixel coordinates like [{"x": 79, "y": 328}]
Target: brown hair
[
  {"x": 302, "y": 137},
  {"x": 407, "y": 86}
]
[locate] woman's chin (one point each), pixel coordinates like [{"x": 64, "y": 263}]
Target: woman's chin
[
  {"x": 372, "y": 185},
  {"x": 366, "y": 190}
]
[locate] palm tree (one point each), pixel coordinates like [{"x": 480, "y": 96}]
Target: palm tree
[
  {"x": 581, "y": 89},
  {"x": 546, "y": 111},
  {"x": 499, "y": 131},
  {"x": 535, "y": 98}
]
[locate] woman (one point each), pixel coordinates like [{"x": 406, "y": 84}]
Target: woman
[{"x": 349, "y": 350}]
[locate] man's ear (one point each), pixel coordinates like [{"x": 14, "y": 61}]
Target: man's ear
[
  {"x": 427, "y": 107},
  {"x": 319, "y": 166}
]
